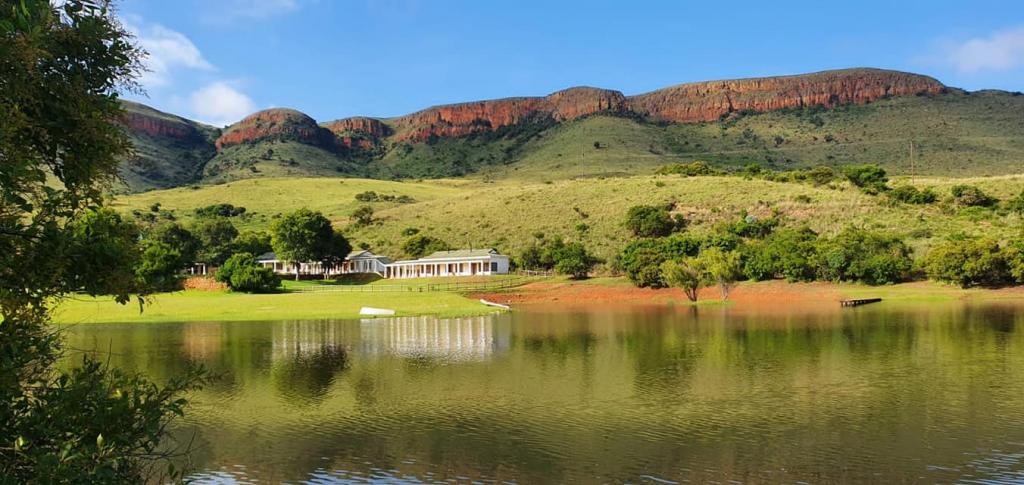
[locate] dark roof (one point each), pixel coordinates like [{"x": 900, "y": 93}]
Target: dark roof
[{"x": 268, "y": 256}]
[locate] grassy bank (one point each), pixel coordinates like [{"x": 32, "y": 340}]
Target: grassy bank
[{"x": 226, "y": 306}]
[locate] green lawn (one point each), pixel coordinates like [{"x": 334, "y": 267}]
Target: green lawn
[{"x": 225, "y": 306}]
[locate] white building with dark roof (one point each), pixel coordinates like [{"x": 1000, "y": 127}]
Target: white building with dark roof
[{"x": 462, "y": 262}]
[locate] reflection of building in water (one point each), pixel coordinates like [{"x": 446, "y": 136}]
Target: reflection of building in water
[
  {"x": 459, "y": 338},
  {"x": 303, "y": 338},
  {"x": 202, "y": 340}
]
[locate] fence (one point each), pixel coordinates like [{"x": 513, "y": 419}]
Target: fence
[{"x": 462, "y": 287}]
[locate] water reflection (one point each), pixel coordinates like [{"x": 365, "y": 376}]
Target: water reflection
[{"x": 885, "y": 393}]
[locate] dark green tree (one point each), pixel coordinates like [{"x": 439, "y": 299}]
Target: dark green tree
[
  {"x": 178, "y": 238},
  {"x": 216, "y": 236},
  {"x": 242, "y": 273},
  {"x": 574, "y": 260},
  {"x": 252, "y": 242},
  {"x": 307, "y": 236},
  {"x": 421, "y": 245},
  {"x": 159, "y": 267},
  {"x": 363, "y": 216},
  {"x": 650, "y": 221},
  {"x": 62, "y": 65},
  {"x": 967, "y": 262},
  {"x": 869, "y": 177}
]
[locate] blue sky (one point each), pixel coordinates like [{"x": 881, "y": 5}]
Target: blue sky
[{"x": 218, "y": 60}]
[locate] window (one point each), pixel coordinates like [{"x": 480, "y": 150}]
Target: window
[{"x": 494, "y": 267}]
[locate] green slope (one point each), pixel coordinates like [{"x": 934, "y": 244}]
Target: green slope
[{"x": 160, "y": 160}]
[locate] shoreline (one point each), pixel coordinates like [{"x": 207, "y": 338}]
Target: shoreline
[{"x": 607, "y": 292}]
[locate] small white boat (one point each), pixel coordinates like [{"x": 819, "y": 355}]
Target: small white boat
[
  {"x": 375, "y": 311},
  {"x": 491, "y": 303}
]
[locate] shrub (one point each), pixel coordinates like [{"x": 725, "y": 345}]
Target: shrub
[
  {"x": 868, "y": 257},
  {"x": 220, "y": 210},
  {"x": 908, "y": 194},
  {"x": 573, "y": 259},
  {"x": 971, "y": 196},
  {"x": 693, "y": 169},
  {"x": 718, "y": 267},
  {"x": 158, "y": 268},
  {"x": 1013, "y": 254},
  {"x": 641, "y": 260},
  {"x": 363, "y": 216},
  {"x": 869, "y": 177},
  {"x": 421, "y": 245},
  {"x": 368, "y": 196},
  {"x": 751, "y": 227},
  {"x": 241, "y": 272},
  {"x": 788, "y": 253},
  {"x": 651, "y": 221},
  {"x": 967, "y": 262}
]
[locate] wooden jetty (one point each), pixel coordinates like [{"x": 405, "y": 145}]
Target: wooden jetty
[{"x": 858, "y": 301}]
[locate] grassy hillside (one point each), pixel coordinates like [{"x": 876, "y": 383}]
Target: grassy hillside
[
  {"x": 277, "y": 158},
  {"x": 507, "y": 214},
  {"x": 264, "y": 198}
]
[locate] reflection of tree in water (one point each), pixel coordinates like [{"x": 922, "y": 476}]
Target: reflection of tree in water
[{"x": 307, "y": 376}]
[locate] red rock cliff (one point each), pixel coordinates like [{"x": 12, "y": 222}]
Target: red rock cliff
[
  {"x": 707, "y": 101},
  {"x": 359, "y": 131},
  {"x": 274, "y": 123},
  {"x": 482, "y": 116},
  {"x": 157, "y": 127}
]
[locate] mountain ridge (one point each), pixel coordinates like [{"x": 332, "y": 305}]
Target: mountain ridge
[{"x": 460, "y": 138}]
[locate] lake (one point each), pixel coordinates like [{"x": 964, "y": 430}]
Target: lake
[{"x": 885, "y": 393}]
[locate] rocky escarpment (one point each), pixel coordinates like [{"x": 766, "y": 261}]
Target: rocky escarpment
[
  {"x": 358, "y": 132},
  {"x": 482, "y": 116},
  {"x": 708, "y": 101},
  {"x": 167, "y": 150},
  {"x": 144, "y": 124},
  {"x": 275, "y": 124}
]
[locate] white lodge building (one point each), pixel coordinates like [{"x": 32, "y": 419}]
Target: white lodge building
[{"x": 464, "y": 262}]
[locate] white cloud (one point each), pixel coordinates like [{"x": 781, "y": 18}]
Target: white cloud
[
  {"x": 220, "y": 104},
  {"x": 1000, "y": 51},
  {"x": 168, "y": 51}
]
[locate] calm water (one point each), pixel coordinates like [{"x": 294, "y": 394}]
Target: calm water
[{"x": 883, "y": 393}]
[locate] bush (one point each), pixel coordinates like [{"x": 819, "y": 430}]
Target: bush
[
  {"x": 363, "y": 216},
  {"x": 967, "y": 262},
  {"x": 421, "y": 245},
  {"x": 651, "y": 221},
  {"x": 220, "y": 210},
  {"x": 158, "y": 268},
  {"x": 641, "y": 260},
  {"x": 971, "y": 196},
  {"x": 867, "y": 257},
  {"x": 693, "y": 169},
  {"x": 909, "y": 194},
  {"x": 869, "y": 178},
  {"x": 718, "y": 267},
  {"x": 788, "y": 253},
  {"x": 241, "y": 272},
  {"x": 682, "y": 274},
  {"x": 751, "y": 227},
  {"x": 573, "y": 259},
  {"x": 1014, "y": 257}
]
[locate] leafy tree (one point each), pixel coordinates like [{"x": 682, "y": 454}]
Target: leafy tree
[
  {"x": 573, "y": 259},
  {"x": 363, "y": 215},
  {"x": 216, "y": 236},
  {"x": 421, "y": 245},
  {"x": 967, "y": 263},
  {"x": 304, "y": 236},
  {"x": 178, "y": 238},
  {"x": 752, "y": 227},
  {"x": 220, "y": 210},
  {"x": 252, "y": 242},
  {"x": 869, "y": 177},
  {"x": 159, "y": 265},
  {"x": 864, "y": 256},
  {"x": 718, "y": 267},
  {"x": 62, "y": 65},
  {"x": 693, "y": 169},
  {"x": 1013, "y": 254},
  {"x": 682, "y": 274},
  {"x": 971, "y": 196},
  {"x": 787, "y": 253},
  {"x": 241, "y": 272},
  {"x": 650, "y": 221},
  {"x": 641, "y": 260}
]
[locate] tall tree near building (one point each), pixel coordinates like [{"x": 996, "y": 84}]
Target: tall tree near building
[{"x": 305, "y": 236}]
